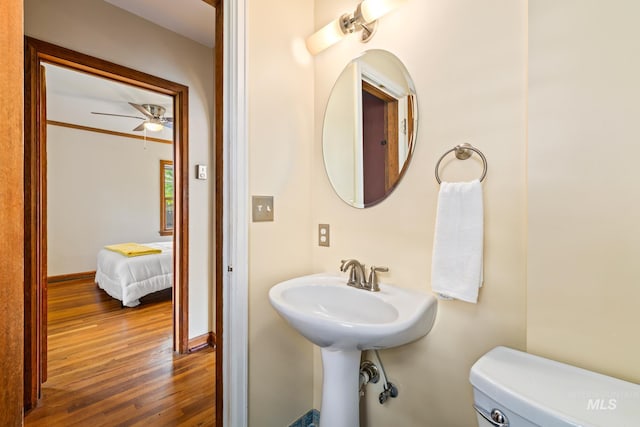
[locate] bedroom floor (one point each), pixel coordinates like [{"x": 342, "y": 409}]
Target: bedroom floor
[{"x": 113, "y": 366}]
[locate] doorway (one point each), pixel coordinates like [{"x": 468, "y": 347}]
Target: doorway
[
  {"x": 22, "y": 252},
  {"x": 379, "y": 143},
  {"x": 36, "y": 53}
]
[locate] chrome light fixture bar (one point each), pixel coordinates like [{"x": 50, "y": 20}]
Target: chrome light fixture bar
[{"x": 365, "y": 19}]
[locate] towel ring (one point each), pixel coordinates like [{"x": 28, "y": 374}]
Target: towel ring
[{"x": 463, "y": 152}]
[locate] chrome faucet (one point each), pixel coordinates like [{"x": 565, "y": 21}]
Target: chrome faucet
[{"x": 357, "y": 275}]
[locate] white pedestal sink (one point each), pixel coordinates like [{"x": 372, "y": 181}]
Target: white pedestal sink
[{"x": 343, "y": 321}]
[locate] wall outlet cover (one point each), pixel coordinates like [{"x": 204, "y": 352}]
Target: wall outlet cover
[{"x": 324, "y": 235}]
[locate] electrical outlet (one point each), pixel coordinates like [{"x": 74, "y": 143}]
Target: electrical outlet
[
  {"x": 262, "y": 207},
  {"x": 323, "y": 235}
]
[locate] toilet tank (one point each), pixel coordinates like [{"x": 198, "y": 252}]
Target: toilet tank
[{"x": 530, "y": 391}]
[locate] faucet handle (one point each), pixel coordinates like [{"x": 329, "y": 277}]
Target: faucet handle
[{"x": 373, "y": 278}]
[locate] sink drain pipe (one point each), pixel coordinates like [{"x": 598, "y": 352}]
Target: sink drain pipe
[{"x": 369, "y": 373}]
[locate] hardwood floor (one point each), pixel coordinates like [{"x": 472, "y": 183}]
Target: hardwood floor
[{"x": 113, "y": 366}]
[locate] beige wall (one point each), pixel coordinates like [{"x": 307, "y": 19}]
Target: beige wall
[
  {"x": 584, "y": 238},
  {"x": 560, "y": 240},
  {"x": 105, "y": 205},
  {"x": 280, "y": 132},
  {"x": 344, "y": 136},
  {"x": 468, "y": 62},
  {"x": 88, "y": 26}
]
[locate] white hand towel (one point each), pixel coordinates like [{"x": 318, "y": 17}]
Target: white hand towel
[{"x": 456, "y": 270}]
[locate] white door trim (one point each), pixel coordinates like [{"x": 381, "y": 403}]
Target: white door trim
[{"x": 235, "y": 218}]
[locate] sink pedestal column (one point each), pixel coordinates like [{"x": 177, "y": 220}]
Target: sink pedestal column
[{"x": 340, "y": 382}]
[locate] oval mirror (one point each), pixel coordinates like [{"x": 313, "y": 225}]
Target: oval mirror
[{"x": 370, "y": 127}]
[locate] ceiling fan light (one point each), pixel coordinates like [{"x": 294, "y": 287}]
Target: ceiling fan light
[{"x": 153, "y": 126}]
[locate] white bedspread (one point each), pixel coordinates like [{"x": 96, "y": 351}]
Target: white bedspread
[{"x": 130, "y": 278}]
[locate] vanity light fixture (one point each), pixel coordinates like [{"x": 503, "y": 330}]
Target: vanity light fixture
[{"x": 364, "y": 18}]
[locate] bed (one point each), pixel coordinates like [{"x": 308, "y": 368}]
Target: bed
[{"x": 130, "y": 278}]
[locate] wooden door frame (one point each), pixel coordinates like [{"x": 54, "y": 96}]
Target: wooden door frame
[
  {"x": 219, "y": 88},
  {"x": 11, "y": 200},
  {"x": 36, "y": 52}
]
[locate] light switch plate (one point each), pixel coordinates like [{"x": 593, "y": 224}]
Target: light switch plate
[
  {"x": 201, "y": 172},
  {"x": 262, "y": 207},
  {"x": 323, "y": 235}
]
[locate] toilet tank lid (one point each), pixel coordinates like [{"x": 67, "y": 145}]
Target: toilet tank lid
[{"x": 540, "y": 390}]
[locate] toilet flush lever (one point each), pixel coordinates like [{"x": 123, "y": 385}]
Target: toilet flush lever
[{"x": 496, "y": 417}]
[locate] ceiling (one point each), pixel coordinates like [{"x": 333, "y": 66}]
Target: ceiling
[
  {"x": 73, "y": 95},
  {"x": 194, "y": 19}
]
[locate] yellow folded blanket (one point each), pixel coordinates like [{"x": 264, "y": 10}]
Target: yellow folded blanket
[{"x": 133, "y": 249}]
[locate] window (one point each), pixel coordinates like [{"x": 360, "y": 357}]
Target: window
[{"x": 166, "y": 198}]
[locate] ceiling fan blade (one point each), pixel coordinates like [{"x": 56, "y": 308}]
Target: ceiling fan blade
[
  {"x": 119, "y": 115},
  {"x": 168, "y": 119},
  {"x": 139, "y": 127},
  {"x": 142, "y": 110}
]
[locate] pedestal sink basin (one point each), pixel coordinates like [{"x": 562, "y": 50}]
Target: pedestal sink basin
[{"x": 343, "y": 321}]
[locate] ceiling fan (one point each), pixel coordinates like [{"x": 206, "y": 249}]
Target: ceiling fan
[{"x": 154, "y": 119}]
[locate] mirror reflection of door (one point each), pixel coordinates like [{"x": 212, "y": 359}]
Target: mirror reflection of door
[
  {"x": 369, "y": 128},
  {"x": 380, "y": 142}
]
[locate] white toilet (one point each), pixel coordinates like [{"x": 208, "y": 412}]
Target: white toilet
[{"x": 517, "y": 389}]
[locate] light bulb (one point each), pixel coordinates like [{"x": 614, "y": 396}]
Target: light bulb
[
  {"x": 328, "y": 35},
  {"x": 153, "y": 125},
  {"x": 372, "y": 10}
]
